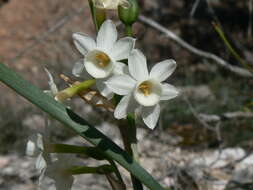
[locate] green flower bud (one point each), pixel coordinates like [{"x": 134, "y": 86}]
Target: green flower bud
[{"x": 128, "y": 15}]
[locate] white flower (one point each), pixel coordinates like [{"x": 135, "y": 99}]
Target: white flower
[
  {"x": 35, "y": 148},
  {"x": 142, "y": 89},
  {"x": 103, "y": 56},
  {"x": 58, "y": 171},
  {"x": 110, "y": 4}
]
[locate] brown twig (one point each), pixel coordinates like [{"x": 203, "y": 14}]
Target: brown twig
[
  {"x": 229, "y": 115},
  {"x": 237, "y": 70}
]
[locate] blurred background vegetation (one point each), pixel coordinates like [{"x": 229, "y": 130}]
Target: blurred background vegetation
[{"x": 37, "y": 34}]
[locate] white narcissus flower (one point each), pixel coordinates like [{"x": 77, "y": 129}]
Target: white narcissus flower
[
  {"x": 142, "y": 89},
  {"x": 110, "y": 4},
  {"x": 58, "y": 171},
  {"x": 35, "y": 148},
  {"x": 102, "y": 57}
]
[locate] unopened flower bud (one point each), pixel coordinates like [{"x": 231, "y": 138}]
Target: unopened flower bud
[{"x": 129, "y": 15}]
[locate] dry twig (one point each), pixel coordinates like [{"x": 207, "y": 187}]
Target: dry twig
[
  {"x": 204, "y": 54},
  {"x": 229, "y": 115}
]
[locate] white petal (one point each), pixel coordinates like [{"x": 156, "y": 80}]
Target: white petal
[
  {"x": 169, "y": 92},
  {"x": 107, "y": 35},
  {"x": 120, "y": 69},
  {"x": 103, "y": 89},
  {"x": 31, "y": 148},
  {"x": 121, "y": 84},
  {"x": 137, "y": 64},
  {"x": 161, "y": 71},
  {"x": 95, "y": 70},
  {"x": 40, "y": 143},
  {"x": 122, "y": 48},
  {"x": 150, "y": 115},
  {"x": 80, "y": 71},
  {"x": 40, "y": 163},
  {"x": 78, "y": 68},
  {"x": 126, "y": 105},
  {"x": 83, "y": 43},
  {"x": 34, "y": 145},
  {"x": 52, "y": 85},
  {"x": 154, "y": 95}
]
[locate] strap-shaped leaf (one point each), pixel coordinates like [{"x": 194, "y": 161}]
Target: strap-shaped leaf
[{"x": 76, "y": 123}]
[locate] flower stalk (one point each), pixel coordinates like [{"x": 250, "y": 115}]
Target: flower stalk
[
  {"x": 73, "y": 90},
  {"x": 128, "y": 133},
  {"x": 129, "y": 30},
  {"x": 98, "y": 15}
]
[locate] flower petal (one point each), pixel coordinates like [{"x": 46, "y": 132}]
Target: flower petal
[
  {"x": 138, "y": 65},
  {"x": 96, "y": 71},
  {"x": 161, "y": 71},
  {"x": 83, "y": 43},
  {"x": 107, "y": 36},
  {"x": 150, "y": 115},
  {"x": 126, "y": 105},
  {"x": 103, "y": 89},
  {"x": 168, "y": 92},
  {"x": 78, "y": 68},
  {"x": 40, "y": 163},
  {"x": 52, "y": 85},
  {"x": 120, "y": 69},
  {"x": 122, "y": 48},
  {"x": 121, "y": 84},
  {"x": 153, "y": 96}
]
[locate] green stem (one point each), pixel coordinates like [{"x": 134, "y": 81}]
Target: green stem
[
  {"x": 128, "y": 133},
  {"x": 98, "y": 15},
  {"x": 129, "y": 30},
  {"x": 104, "y": 169},
  {"x": 72, "y": 149},
  {"x": 73, "y": 90},
  {"x": 230, "y": 48},
  {"x": 117, "y": 173}
]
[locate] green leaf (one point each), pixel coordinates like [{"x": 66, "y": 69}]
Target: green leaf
[
  {"x": 76, "y": 123},
  {"x": 104, "y": 169},
  {"x": 92, "y": 152}
]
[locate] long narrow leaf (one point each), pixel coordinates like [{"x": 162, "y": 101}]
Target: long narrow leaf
[{"x": 76, "y": 123}]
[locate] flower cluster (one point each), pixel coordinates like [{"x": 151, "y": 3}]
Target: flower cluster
[{"x": 140, "y": 88}]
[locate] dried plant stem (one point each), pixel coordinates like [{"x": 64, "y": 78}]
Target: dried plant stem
[{"x": 237, "y": 70}]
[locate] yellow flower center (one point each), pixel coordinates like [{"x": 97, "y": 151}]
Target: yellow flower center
[
  {"x": 102, "y": 59},
  {"x": 145, "y": 87}
]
